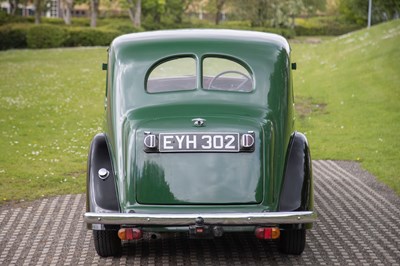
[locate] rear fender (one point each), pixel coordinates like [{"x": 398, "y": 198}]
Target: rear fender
[
  {"x": 101, "y": 193},
  {"x": 297, "y": 188}
]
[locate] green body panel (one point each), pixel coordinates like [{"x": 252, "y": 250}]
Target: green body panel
[
  {"x": 168, "y": 182},
  {"x": 198, "y": 178}
]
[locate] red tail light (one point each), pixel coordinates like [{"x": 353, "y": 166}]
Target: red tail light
[
  {"x": 129, "y": 233},
  {"x": 267, "y": 232}
]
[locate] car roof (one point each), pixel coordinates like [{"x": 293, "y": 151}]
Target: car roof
[{"x": 207, "y": 35}]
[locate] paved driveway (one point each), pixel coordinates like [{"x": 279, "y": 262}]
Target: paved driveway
[{"x": 359, "y": 223}]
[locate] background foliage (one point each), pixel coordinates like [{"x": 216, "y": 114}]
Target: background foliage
[
  {"x": 356, "y": 11},
  {"x": 286, "y": 17}
]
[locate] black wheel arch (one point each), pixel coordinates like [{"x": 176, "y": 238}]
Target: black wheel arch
[
  {"x": 297, "y": 185},
  {"x": 101, "y": 193}
]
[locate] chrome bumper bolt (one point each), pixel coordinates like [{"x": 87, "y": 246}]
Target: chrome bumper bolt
[{"x": 103, "y": 173}]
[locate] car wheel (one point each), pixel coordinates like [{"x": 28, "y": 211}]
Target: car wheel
[
  {"x": 293, "y": 241},
  {"x": 107, "y": 243}
]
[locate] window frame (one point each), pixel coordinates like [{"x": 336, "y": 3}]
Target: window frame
[{"x": 199, "y": 72}]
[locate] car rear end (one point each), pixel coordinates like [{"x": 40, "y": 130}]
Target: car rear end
[{"x": 206, "y": 150}]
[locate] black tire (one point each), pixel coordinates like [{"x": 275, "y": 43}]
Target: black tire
[
  {"x": 107, "y": 243},
  {"x": 292, "y": 241}
]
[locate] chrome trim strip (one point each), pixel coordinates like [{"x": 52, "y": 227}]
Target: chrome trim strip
[{"x": 171, "y": 219}]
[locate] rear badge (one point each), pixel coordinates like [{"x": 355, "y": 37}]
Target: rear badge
[{"x": 199, "y": 122}]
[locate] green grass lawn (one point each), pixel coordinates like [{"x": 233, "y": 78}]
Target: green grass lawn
[
  {"x": 51, "y": 105},
  {"x": 348, "y": 99},
  {"x": 50, "y": 108}
]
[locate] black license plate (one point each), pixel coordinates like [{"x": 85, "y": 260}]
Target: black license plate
[{"x": 199, "y": 142}]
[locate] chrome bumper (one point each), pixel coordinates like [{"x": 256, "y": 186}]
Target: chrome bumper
[{"x": 174, "y": 219}]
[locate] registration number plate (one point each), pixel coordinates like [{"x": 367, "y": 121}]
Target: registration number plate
[{"x": 199, "y": 142}]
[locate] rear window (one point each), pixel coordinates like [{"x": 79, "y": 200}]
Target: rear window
[
  {"x": 225, "y": 74},
  {"x": 177, "y": 74},
  {"x": 180, "y": 74}
]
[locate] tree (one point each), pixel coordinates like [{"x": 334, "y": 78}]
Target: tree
[
  {"x": 156, "y": 13},
  {"x": 268, "y": 13},
  {"x": 218, "y": 14},
  {"x": 386, "y": 9},
  {"x": 38, "y": 11},
  {"x": 312, "y": 6},
  {"x": 66, "y": 8},
  {"x": 13, "y": 6},
  {"x": 293, "y": 9},
  {"x": 94, "y": 8},
  {"x": 175, "y": 9},
  {"x": 216, "y": 8},
  {"x": 353, "y": 10},
  {"x": 357, "y": 10},
  {"x": 153, "y": 10},
  {"x": 135, "y": 12}
]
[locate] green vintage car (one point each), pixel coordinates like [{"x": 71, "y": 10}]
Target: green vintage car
[{"x": 199, "y": 138}]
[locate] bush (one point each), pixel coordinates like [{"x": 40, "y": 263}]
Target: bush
[
  {"x": 326, "y": 30},
  {"x": 236, "y": 24},
  {"x": 123, "y": 25},
  {"x": 89, "y": 37},
  {"x": 285, "y": 32},
  {"x": 4, "y": 17},
  {"x": 13, "y": 36},
  {"x": 7, "y": 19},
  {"x": 52, "y": 36},
  {"x": 323, "y": 26},
  {"x": 46, "y": 36}
]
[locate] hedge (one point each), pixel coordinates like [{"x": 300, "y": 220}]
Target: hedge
[
  {"x": 325, "y": 31},
  {"x": 54, "y": 34},
  {"x": 17, "y": 36},
  {"x": 13, "y": 36},
  {"x": 51, "y": 36},
  {"x": 46, "y": 36},
  {"x": 90, "y": 37},
  {"x": 323, "y": 26}
]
